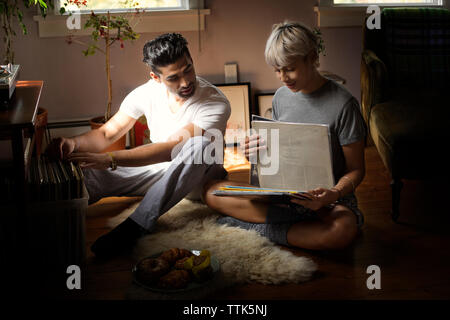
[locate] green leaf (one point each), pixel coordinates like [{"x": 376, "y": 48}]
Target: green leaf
[
  {"x": 90, "y": 50},
  {"x": 94, "y": 35},
  {"x": 43, "y": 4},
  {"x": 24, "y": 28}
]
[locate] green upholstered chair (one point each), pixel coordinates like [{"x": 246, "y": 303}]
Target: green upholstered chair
[{"x": 405, "y": 93}]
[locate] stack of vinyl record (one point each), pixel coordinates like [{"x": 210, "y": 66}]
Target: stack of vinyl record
[
  {"x": 52, "y": 180},
  {"x": 7, "y": 187}
]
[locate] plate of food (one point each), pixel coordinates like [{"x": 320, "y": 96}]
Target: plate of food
[{"x": 176, "y": 270}]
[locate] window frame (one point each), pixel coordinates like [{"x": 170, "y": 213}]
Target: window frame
[
  {"x": 191, "y": 19},
  {"x": 352, "y": 15},
  {"x": 186, "y": 5},
  {"x": 436, "y": 3}
]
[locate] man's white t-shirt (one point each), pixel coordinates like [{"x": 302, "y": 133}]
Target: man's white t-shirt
[{"x": 208, "y": 108}]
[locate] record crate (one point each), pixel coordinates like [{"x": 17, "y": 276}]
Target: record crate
[{"x": 40, "y": 240}]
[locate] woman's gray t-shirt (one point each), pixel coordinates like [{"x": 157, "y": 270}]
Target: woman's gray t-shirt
[{"x": 332, "y": 105}]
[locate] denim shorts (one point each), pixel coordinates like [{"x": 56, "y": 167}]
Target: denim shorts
[
  {"x": 280, "y": 218},
  {"x": 348, "y": 201}
]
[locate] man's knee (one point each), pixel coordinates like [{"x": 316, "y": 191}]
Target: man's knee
[
  {"x": 192, "y": 151},
  {"x": 197, "y": 143}
]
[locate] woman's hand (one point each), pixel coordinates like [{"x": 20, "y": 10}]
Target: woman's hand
[
  {"x": 252, "y": 144},
  {"x": 91, "y": 160},
  {"x": 318, "y": 198}
]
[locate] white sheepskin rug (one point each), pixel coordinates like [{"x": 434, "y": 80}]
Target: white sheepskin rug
[{"x": 244, "y": 256}]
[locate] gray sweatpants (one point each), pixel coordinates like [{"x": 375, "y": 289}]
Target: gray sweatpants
[{"x": 162, "y": 185}]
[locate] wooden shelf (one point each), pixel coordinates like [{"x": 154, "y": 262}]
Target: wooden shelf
[{"x": 16, "y": 118}]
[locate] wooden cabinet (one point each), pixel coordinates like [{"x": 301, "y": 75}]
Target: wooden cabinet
[
  {"x": 16, "y": 118},
  {"x": 38, "y": 240}
]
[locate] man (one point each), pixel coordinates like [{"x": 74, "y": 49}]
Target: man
[{"x": 181, "y": 110}]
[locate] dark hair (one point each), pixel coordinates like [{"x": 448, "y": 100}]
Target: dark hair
[{"x": 164, "y": 50}]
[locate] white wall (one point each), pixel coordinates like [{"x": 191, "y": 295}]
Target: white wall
[{"x": 236, "y": 31}]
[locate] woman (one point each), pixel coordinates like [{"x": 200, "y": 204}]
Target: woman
[{"x": 330, "y": 219}]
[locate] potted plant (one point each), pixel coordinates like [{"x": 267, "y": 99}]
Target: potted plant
[
  {"x": 10, "y": 11},
  {"x": 108, "y": 30}
]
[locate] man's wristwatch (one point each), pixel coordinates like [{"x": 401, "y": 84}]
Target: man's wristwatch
[{"x": 113, "y": 164}]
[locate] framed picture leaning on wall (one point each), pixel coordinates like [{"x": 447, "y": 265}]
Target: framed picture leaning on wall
[
  {"x": 239, "y": 122},
  {"x": 264, "y": 104}
]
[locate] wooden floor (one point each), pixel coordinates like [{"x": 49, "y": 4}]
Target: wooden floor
[{"x": 413, "y": 255}]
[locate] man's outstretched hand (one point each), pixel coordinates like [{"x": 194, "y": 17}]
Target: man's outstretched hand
[
  {"x": 91, "y": 160},
  {"x": 60, "y": 148},
  {"x": 64, "y": 149}
]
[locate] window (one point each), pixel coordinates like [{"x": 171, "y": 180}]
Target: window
[
  {"x": 159, "y": 16},
  {"x": 123, "y": 5},
  {"x": 387, "y": 2},
  {"x": 351, "y": 13}
]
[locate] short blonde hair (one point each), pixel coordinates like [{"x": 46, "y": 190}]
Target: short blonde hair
[{"x": 288, "y": 42}]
